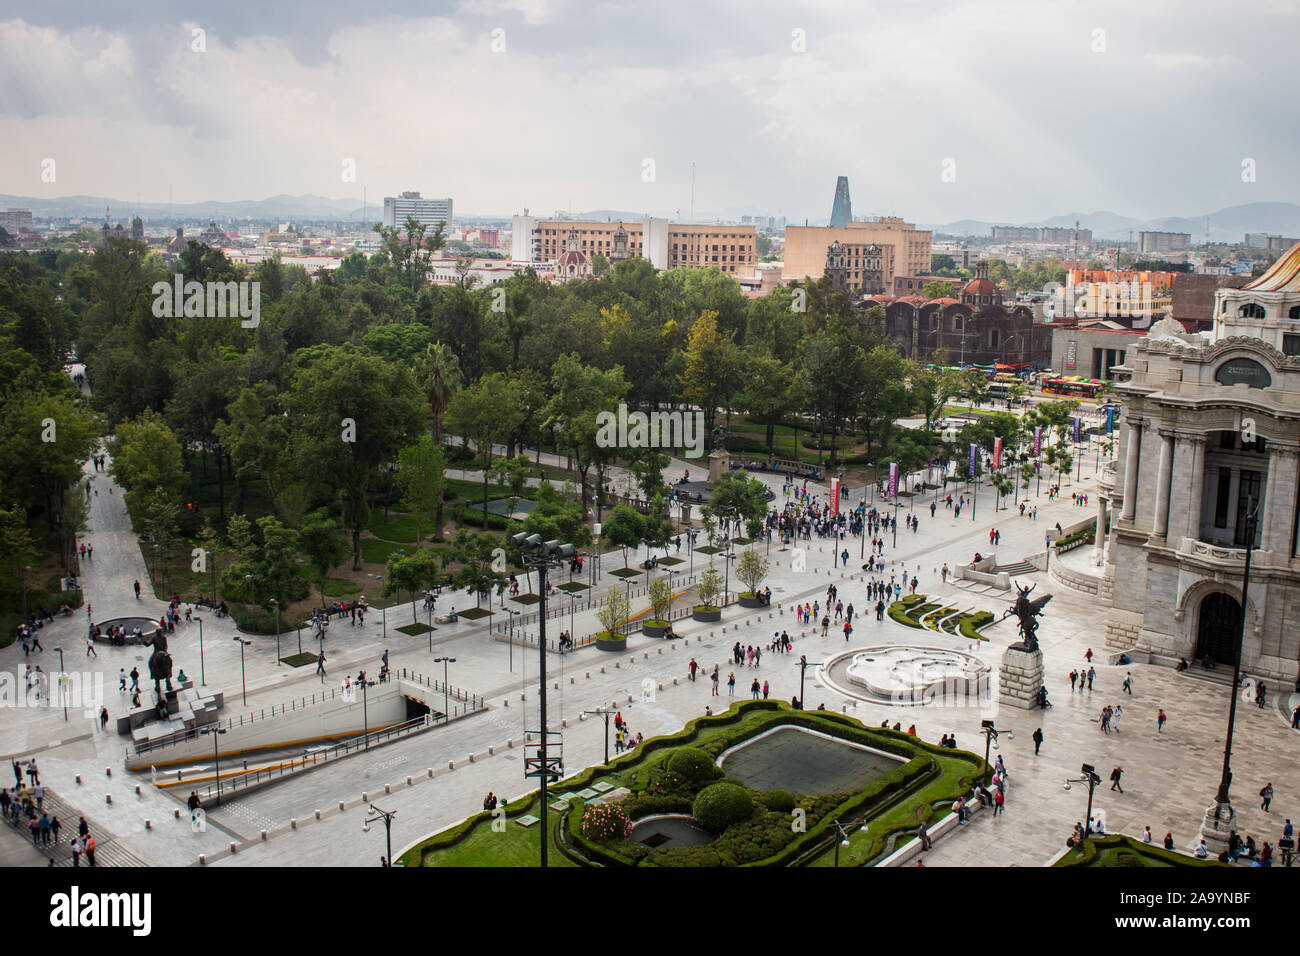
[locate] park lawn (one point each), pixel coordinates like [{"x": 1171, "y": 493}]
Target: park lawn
[
  {"x": 518, "y": 846},
  {"x": 375, "y": 551},
  {"x": 399, "y": 526},
  {"x": 338, "y": 587}
]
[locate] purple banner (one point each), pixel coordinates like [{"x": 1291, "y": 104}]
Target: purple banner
[
  {"x": 1078, "y": 428},
  {"x": 1038, "y": 441},
  {"x": 973, "y": 453},
  {"x": 893, "y": 479}
]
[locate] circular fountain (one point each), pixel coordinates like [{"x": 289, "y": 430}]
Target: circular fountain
[{"x": 909, "y": 676}]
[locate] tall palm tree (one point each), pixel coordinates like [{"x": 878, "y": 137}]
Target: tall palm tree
[{"x": 438, "y": 372}]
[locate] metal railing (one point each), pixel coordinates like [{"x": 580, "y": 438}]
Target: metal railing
[
  {"x": 473, "y": 700},
  {"x": 245, "y": 779}
]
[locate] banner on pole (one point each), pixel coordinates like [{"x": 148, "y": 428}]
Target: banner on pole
[
  {"x": 973, "y": 452},
  {"x": 893, "y": 479},
  {"x": 1078, "y": 428},
  {"x": 835, "y": 496},
  {"x": 1038, "y": 440},
  {"x": 997, "y": 453},
  {"x": 1110, "y": 419}
]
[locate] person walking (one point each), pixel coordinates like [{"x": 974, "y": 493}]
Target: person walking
[
  {"x": 121, "y": 679},
  {"x": 999, "y": 799},
  {"x": 715, "y": 680},
  {"x": 90, "y": 849},
  {"x": 90, "y": 647},
  {"x": 1115, "y": 715},
  {"x": 1160, "y": 721},
  {"x": 1267, "y": 796},
  {"x": 1115, "y": 777},
  {"x": 320, "y": 666},
  {"x": 76, "y": 851},
  {"x": 1074, "y": 676},
  {"x": 923, "y": 835},
  {"x": 1092, "y": 672},
  {"x": 1128, "y": 683},
  {"x": 137, "y": 590},
  {"x": 753, "y": 689},
  {"x": 1088, "y": 656},
  {"x": 767, "y": 689},
  {"x": 694, "y": 668},
  {"x": 1038, "y": 740}
]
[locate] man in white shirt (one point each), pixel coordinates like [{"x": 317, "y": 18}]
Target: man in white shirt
[
  {"x": 1146, "y": 834},
  {"x": 1201, "y": 850}
]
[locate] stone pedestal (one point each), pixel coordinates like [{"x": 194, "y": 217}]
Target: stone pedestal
[
  {"x": 1220, "y": 821},
  {"x": 1020, "y": 677},
  {"x": 719, "y": 464}
]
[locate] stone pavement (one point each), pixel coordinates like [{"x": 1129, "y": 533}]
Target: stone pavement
[{"x": 1169, "y": 778}]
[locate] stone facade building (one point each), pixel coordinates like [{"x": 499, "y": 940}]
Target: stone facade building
[{"x": 1211, "y": 429}]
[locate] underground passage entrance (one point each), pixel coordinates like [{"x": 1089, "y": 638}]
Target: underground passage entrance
[
  {"x": 415, "y": 708},
  {"x": 1219, "y": 629}
]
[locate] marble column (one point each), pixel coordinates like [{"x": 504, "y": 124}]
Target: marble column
[
  {"x": 1162, "y": 483},
  {"x": 1197, "y": 489},
  {"x": 1277, "y": 518},
  {"x": 1131, "y": 470},
  {"x": 1099, "y": 536}
]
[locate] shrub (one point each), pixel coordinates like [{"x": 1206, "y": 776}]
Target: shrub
[
  {"x": 971, "y": 625},
  {"x": 720, "y": 805},
  {"x": 898, "y": 612},
  {"x": 694, "y": 765},
  {"x": 605, "y": 822},
  {"x": 779, "y": 801}
]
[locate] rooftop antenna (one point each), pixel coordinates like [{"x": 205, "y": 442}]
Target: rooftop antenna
[{"x": 692, "y": 191}]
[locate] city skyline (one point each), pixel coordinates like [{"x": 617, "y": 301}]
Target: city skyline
[{"x": 997, "y": 116}]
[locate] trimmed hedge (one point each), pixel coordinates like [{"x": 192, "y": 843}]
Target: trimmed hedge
[
  {"x": 1120, "y": 850},
  {"x": 694, "y": 765},
  {"x": 720, "y": 805},
  {"x": 970, "y": 626}
]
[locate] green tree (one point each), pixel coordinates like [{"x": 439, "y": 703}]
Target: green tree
[
  {"x": 420, "y": 468},
  {"x": 935, "y": 289},
  {"x": 579, "y": 394},
  {"x": 623, "y": 527},
  {"x": 751, "y": 569},
  {"x": 614, "y": 611},
  {"x": 146, "y": 457},
  {"x": 487, "y": 414},
  {"x": 713, "y": 367},
  {"x": 320, "y": 541},
  {"x": 413, "y": 572}
]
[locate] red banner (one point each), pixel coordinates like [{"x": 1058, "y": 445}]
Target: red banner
[
  {"x": 835, "y": 496},
  {"x": 997, "y": 453}
]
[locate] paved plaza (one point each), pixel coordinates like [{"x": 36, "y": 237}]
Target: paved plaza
[{"x": 1169, "y": 776}]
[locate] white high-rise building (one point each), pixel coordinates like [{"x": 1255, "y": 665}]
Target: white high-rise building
[
  {"x": 654, "y": 241},
  {"x": 428, "y": 211},
  {"x": 525, "y": 244}
]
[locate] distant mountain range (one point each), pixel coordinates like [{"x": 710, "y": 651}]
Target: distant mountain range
[{"x": 1225, "y": 225}]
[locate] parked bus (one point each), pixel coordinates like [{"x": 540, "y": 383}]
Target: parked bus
[{"x": 1074, "y": 387}]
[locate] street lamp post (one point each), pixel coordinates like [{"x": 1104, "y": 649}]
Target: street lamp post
[
  {"x": 842, "y": 835},
  {"x": 62, "y": 683},
  {"x": 605, "y": 712},
  {"x": 252, "y": 588},
  {"x": 215, "y": 732},
  {"x": 1220, "y": 815},
  {"x": 444, "y": 661},
  {"x": 242, "y": 677},
  {"x": 803, "y": 666},
  {"x": 1091, "y": 778},
  {"x": 276, "y": 602},
  {"x": 510, "y": 636},
  {"x": 383, "y": 607},
  {"x": 991, "y": 734},
  {"x": 203, "y": 676},
  {"x": 387, "y": 817},
  {"x": 546, "y": 768},
  {"x": 365, "y": 682}
]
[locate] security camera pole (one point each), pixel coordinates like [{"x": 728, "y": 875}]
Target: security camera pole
[{"x": 540, "y": 554}]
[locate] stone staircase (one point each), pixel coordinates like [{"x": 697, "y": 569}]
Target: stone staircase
[
  {"x": 1020, "y": 567},
  {"x": 108, "y": 851}
]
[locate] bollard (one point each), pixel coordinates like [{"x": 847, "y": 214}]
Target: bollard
[
  {"x": 507, "y": 701},
  {"x": 388, "y": 788},
  {"x": 137, "y": 790},
  {"x": 148, "y": 824},
  {"x": 317, "y": 814},
  {"x": 78, "y": 778},
  {"x": 510, "y": 742},
  {"x": 203, "y": 859},
  {"x": 674, "y": 681},
  {"x": 570, "y": 680},
  {"x": 661, "y": 686},
  {"x": 341, "y": 805},
  {"x": 234, "y": 848},
  {"x": 108, "y": 771},
  {"x": 410, "y": 781},
  {"x": 176, "y": 814},
  {"x": 293, "y": 823},
  {"x": 108, "y": 798},
  {"x": 661, "y": 650},
  {"x": 451, "y": 765},
  {"x": 471, "y": 758},
  {"x": 557, "y": 685},
  {"x": 564, "y": 722},
  {"x": 618, "y": 664},
  {"x": 263, "y": 834},
  {"x": 629, "y": 698},
  {"x": 365, "y": 797},
  {"x": 602, "y": 668},
  {"x": 589, "y": 674}
]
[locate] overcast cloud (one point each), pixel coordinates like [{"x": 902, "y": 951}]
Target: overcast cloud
[{"x": 1035, "y": 122}]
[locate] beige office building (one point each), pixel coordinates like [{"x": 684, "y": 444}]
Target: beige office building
[
  {"x": 728, "y": 248},
  {"x": 905, "y": 250}
]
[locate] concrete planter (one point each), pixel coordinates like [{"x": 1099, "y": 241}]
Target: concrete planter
[
  {"x": 707, "y": 615},
  {"x": 750, "y": 600},
  {"x": 614, "y": 642},
  {"x": 654, "y": 628}
]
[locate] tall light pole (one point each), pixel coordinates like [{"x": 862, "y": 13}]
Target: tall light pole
[
  {"x": 365, "y": 682},
  {"x": 1091, "y": 778},
  {"x": 383, "y": 607},
  {"x": 62, "y": 684},
  {"x": 444, "y": 661},
  {"x": 510, "y": 636},
  {"x": 991, "y": 734},
  {"x": 26, "y": 571},
  {"x": 605, "y": 712},
  {"x": 276, "y": 602},
  {"x": 242, "y": 677},
  {"x": 387, "y": 817},
  {"x": 540, "y": 554},
  {"x": 216, "y": 732},
  {"x": 842, "y": 835},
  {"x": 203, "y": 677},
  {"x": 1220, "y": 815}
]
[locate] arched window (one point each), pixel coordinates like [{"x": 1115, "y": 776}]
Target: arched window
[{"x": 1251, "y": 310}]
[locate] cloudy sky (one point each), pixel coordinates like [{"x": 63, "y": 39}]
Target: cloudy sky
[{"x": 1031, "y": 108}]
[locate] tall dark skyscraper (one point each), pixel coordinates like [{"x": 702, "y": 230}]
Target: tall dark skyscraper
[{"x": 842, "y": 211}]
